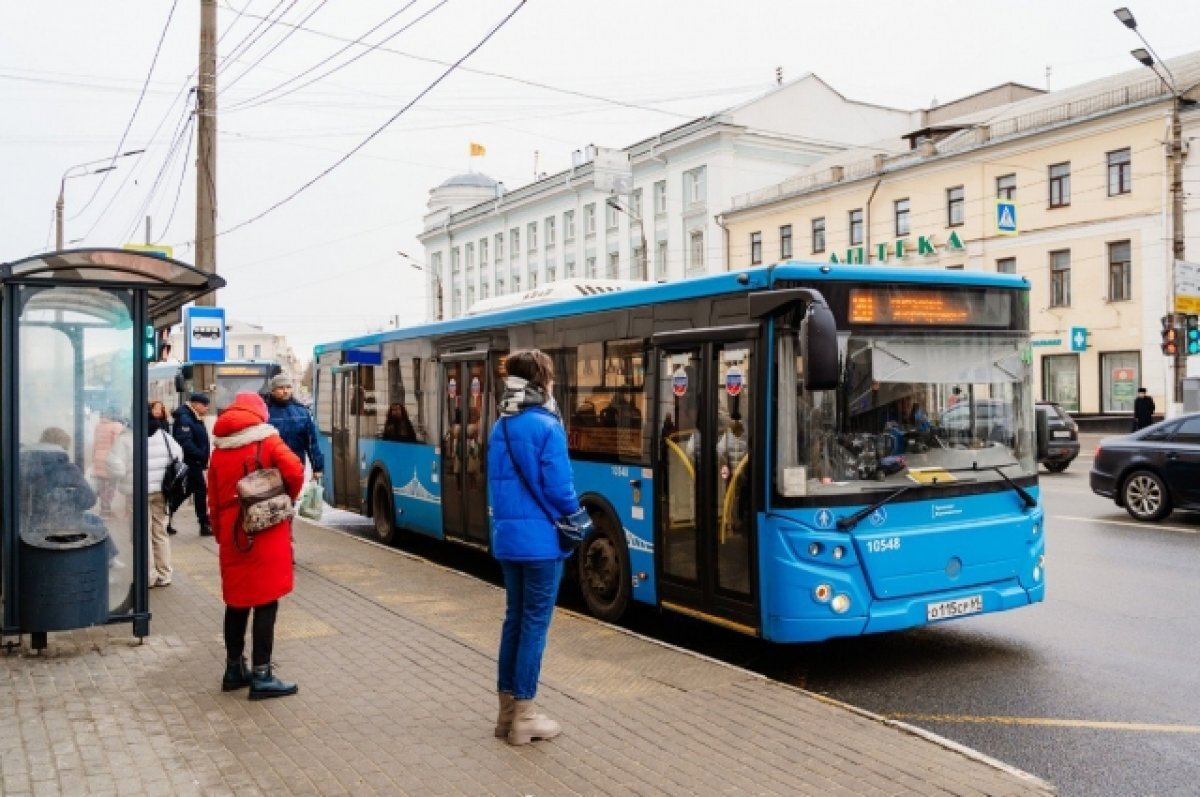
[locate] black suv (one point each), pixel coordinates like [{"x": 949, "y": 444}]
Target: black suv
[{"x": 1057, "y": 437}]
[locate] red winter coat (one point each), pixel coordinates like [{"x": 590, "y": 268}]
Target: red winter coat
[{"x": 264, "y": 573}]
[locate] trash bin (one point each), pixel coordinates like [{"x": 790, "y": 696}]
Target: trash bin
[{"x": 63, "y": 577}]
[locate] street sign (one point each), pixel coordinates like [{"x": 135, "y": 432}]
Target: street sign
[
  {"x": 204, "y": 334},
  {"x": 1006, "y": 217},
  {"x": 1187, "y": 287},
  {"x": 1078, "y": 338}
]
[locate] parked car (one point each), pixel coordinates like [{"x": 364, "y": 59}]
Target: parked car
[
  {"x": 1057, "y": 436},
  {"x": 987, "y": 420},
  {"x": 1152, "y": 471}
]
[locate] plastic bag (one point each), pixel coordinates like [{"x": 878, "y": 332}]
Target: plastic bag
[{"x": 312, "y": 501}]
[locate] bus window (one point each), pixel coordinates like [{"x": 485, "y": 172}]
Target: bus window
[{"x": 605, "y": 400}]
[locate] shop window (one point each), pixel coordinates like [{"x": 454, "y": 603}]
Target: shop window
[
  {"x": 1060, "y": 380},
  {"x": 1120, "y": 377}
]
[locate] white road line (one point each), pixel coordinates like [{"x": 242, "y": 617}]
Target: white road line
[{"x": 1133, "y": 523}]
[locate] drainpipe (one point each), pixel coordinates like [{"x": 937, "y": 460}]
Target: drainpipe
[
  {"x": 867, "y": 222},
  {"x": 720, "y": 220}
]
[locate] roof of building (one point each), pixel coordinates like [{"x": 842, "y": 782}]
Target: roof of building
[{"x": 470, "y": 179}]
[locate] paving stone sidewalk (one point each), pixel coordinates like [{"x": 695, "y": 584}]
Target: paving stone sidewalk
[{"x": 396, "y": 663}]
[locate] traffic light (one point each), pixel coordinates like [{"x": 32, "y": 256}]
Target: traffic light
[
  {"x": 1191, "y": 334},
  {"x": 148, "y": 343},
  {"x": 1170, "y": 336}
]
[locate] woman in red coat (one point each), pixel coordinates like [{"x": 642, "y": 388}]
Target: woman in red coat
[{"x": 254, "y": 579}]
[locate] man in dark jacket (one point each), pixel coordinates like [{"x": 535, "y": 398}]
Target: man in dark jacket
[
  {"x": 192, "y": 436},
  {"x": 1143, "y": 410},
  {"x": 295, "y": 423}
]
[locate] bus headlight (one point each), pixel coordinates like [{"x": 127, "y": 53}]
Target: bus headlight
[
  {"x": 840, "y": 604},
  {"x": 838, "y": 552},
  {"x": 822, "y": 593},
  {"x": 815, "y": 548}
]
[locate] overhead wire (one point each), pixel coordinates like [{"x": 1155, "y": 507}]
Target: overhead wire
[
  {"x": 241, "y": 46},
  {"x": 177, "y": 138},
  {"x": 187, "y": 150},
  {"x": 137, "y": 106},
  {"x": 273, "y": 47},
  {"x": 445, "y": 74}
]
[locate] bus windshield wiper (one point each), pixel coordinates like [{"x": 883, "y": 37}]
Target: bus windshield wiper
[
  {"x": 848, "y": 522},
  {"x": 1029, "y": 501}
]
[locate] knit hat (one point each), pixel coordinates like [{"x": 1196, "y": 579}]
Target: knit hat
[
  {"x": 199, "y": 398},
  {"x": 281, "y": 380}
]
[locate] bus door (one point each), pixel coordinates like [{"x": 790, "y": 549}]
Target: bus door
[
  {"x": 347, "y": 492},
  {"x": 708, "y": 453},
  {"x": 467, "y": 411}
]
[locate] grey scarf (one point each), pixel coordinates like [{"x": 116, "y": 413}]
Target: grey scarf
[{"x": 520, "y": 395}]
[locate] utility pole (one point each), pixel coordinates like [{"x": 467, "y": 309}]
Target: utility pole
[{"x": 206, "y": 165}]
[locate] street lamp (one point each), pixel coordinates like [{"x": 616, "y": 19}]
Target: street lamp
[
  {"x": 62, "y": 185},
  {"x": 642, "y": 265},
  {"x": 437, "y": 278},
  {"x": 1148, "y": 58}
]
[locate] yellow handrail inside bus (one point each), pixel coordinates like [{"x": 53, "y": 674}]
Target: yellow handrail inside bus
[{"x": 726, "y": 510}]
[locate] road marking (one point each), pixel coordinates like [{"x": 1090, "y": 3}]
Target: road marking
[
  {"x": 1133, "y": 523},
  {"x": 1048, "y": 721}
]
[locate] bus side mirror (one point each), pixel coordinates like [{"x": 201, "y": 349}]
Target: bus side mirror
[
  {"x": 818, "y": 348},
  {"x": 1042, "y": 422}
]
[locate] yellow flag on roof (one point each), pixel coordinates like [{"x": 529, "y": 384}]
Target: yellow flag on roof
[{"x": 477, "y": 150}]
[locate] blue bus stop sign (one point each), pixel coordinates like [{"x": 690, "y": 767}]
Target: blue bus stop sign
[{"x": 204, "y": 334}]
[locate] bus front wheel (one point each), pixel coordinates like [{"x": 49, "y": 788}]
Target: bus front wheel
[
  {"x": 603, "y": 569},
  {"x": 383, "y": 511}
]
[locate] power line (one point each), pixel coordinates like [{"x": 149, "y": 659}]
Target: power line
[
  {"x": 120, "y": 144},
  {"x": 182, "y": 174},
  {"x": 385, "y": 125},
  {"x": 239, "y": 46},
  {"x": 273, "y": 47},
  {"x": 252, "y": 102}
]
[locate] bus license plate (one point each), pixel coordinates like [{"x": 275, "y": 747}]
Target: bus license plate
[{"x": 944, "y": 610}]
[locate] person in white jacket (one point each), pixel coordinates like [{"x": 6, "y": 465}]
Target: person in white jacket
[{"x": 161, "y": 448}]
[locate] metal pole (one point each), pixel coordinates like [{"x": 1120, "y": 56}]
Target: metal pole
[
  {"x": 206, "y": 164},
  {"x": 58, "y": 215},
  {"x": 1175, "y": 159}
]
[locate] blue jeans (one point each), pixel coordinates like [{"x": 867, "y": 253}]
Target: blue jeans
[{"x": 530, "y": 589}]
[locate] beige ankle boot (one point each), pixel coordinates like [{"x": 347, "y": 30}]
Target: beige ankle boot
[
  {"x": 505, "y": 717},
  {"x": 528, "y": 724}
]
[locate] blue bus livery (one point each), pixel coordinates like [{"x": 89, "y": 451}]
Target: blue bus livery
[{"x": 798, "y": 452}]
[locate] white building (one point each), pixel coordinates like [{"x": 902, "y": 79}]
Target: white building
[{"x": 481, "y": 240}]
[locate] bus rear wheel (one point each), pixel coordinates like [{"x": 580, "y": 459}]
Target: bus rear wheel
[
  {"x": 383, "y": 511},
  {"x": 603, "y": 569}
]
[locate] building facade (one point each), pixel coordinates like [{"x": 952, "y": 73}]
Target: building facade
[
  {"x": 482, "y": 241},
  {"x": 1071, "y": 189}
]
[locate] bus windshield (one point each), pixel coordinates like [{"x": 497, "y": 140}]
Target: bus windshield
[{"x": 913, "y": 407}]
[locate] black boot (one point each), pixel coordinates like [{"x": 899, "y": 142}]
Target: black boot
[
  {"x": 264, "y": 685},
  {"x": 206, "y": 530},
  {"x": 237, "y": 675}
]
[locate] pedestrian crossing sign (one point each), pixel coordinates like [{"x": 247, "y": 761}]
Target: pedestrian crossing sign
[{"x": 1006, "y": 217}]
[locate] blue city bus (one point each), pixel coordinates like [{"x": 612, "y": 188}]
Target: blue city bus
[
  {"x": 797, "y": 452},
  {"x": 172, "y": 382}
]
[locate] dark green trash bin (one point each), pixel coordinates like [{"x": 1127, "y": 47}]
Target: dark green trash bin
[{"x": 63, "y": 577}]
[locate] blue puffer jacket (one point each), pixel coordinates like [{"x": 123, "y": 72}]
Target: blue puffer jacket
[
  {"x": 521, "y": 532},
  {"x": 295, "y": 425}
]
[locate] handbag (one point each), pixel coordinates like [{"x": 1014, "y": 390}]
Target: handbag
[
  {"x": 263, "y": 498},
  {"x": 573, "y": 528},
  {"x": 174, "y": 482}
]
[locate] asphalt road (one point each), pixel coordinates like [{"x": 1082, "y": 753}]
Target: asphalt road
[{"x": 1097, "y": 689}]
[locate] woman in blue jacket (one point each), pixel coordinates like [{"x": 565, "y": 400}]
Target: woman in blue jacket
[{"x": 529, "y": 436}]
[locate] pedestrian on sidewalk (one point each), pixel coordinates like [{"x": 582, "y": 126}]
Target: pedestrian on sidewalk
[
  {"x": 295, "y": 423},
  {"x": 253, "y": 578},
  {"x": 527, "y": 454},
  {"x": 192, "y": 436},
  {"x": 161, "y": 449},
  {"x": 1143, "y": 410}
]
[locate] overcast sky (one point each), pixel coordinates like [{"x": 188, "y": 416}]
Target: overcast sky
[{"x": 559, "y": 75}]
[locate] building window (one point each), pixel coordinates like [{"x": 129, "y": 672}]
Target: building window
[
  {"x": 569, "y": 226},
  {"x": 1120, "y": 377},
  {"x": 532, "y": 227},
  {"x": 1006, "y": 265},
  {"x": 818, "y": 235},
  {"x": 785, "y": 242},
  {"x": 1120, "y": 272},
  {"x": 856, "y": 227},
  {"x": 694, "y": 186},
  {"x": 533, "y": 276},
  {"x": 455, "y": 261},
  {"x": 470, "y": 296},
  {"x": 1060, "y": 278},
  {"x": 1006, "y": 187},
  {"x": 499, "y": 286},
  {"x": 591, "y": 268},
  {"x": 660, "y": 261},
  {"x": 1060, "y": 185},
  {"x": 903, "y": 225},
  {"x": 955, "y": 267},
  {"x": 696, "y": 250},
  {"x": 955, "y": 203},
  {"x": 499, "y": 246},
  {"x": 551, "y": 271},
  {"x": 1120, "y": 172},
  {"x": 516, "y": 283},
  {"x": 569, "y": 268},
  {"x": 469, "y": 251},
  {"x": 514, "y": 242},
  {"x": 483, "y": 289},
  {"x": 635, "y": 203},
  {"x": 550, "y": 231},
  {"x": 1060, "y": 380},
  {"x": 610, "y": 217},
  {"x": 589, "y": 219},
  {"x": 660, "y": 197},
  {"x": 614, "y": 266},
  {"x": 755, "y": 248},
  {"x": 483, "y": 251},
  {"x": 241, "y": 351}
]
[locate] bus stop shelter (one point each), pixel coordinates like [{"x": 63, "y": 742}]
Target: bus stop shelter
[{"x": 77, "y": 329}]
